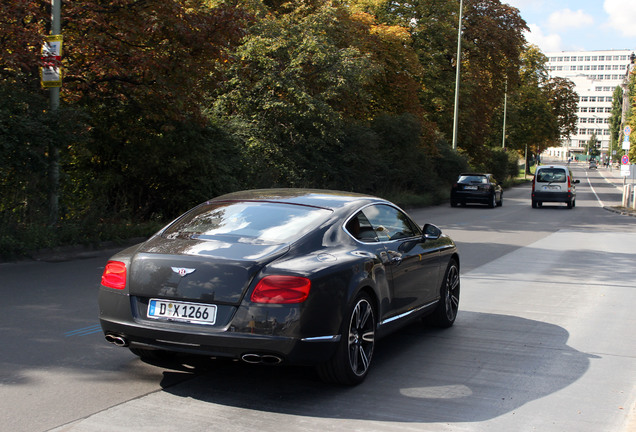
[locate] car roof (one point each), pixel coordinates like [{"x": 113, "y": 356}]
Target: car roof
[
  {"x": 552, "y": 166},
  {"x": 475, "y": 174},
  {"x": 328, "y": 199}
]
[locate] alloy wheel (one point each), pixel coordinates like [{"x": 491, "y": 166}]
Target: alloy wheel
[
  {"x": 361, "y": 337},
  {"x": 451, "y": 296}
]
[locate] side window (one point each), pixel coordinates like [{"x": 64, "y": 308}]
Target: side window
[
  {"x": 390, "y": 223},
  {"x": 360, "y": 228}
]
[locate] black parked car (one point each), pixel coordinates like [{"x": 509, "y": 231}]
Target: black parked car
[
  {"x": 281, "y": 276},
  {"x": 476, "y": 188}
]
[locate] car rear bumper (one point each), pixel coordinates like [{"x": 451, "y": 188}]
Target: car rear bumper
[
  {"x": 541, "y": 196},
  {"x": 481, "y": 197},
  {"x": 252, "y": 331}
]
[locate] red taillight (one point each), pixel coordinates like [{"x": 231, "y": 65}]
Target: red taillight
[
  {"x": 281, "y": 290},
  {"x": 114, "y": 275},
  {"x": 569, "y": 184},
  {"x": 533, "y": 180}
]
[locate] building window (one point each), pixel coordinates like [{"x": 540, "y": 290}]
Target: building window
[
  {"x": 583, "y": 98},
  {"x": 599, "y": 121},
  {"x": 587, "y": 58},
  {"x": 592, "y": 98},
  {"x": 594, "y": 58},
  {"x": 594, "y": 67},
  {"x": 608, "y": 110},
  {"x": 601, "y": 58},
  {"x": 583, "y": 109},
  {"x": 583, "y": 120},
  {"x": 587, "y": 67}
]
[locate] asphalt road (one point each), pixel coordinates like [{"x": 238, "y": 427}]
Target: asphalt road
[{"x": 544, "y": 341}]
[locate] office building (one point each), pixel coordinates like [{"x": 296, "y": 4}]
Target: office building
[{"x": 595, "y": 74}]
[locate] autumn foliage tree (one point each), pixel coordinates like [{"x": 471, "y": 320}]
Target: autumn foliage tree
[{"x": 166, "y": 103}]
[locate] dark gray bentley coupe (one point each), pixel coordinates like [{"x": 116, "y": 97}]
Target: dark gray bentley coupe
[{"x": 272, "y": 276}]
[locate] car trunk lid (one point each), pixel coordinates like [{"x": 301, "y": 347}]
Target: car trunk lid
[{"x": 209, "y": 271}]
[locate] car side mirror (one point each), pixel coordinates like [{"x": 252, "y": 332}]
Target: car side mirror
[
  {"x": 576, "y": 181},
  {"x": 431, "y": 232}
]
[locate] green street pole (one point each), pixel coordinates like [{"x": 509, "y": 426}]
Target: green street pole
[
  {"x": 54, "y": 104},
  {"x": 459, "y": 61},
  {"x": 503, "y": 141}
]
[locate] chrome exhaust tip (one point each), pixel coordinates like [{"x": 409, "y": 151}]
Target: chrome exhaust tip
[
  {"x": 116, "y": 340},
  {"x": 268, "y": 359}
]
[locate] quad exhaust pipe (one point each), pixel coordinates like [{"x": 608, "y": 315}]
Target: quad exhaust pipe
[
  {"x": 120, "y": 341},
  {"x": 268, "y": 359}
]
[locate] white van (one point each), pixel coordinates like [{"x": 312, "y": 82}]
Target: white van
[{"x": 553, "y": 183}]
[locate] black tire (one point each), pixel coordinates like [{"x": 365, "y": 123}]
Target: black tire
[
  {"x": 534, "y": 204},
  {"x": 453, "y": 203},
  {"x": 493, "y": 201},
  {"x": 446, "y": 312},
  {"x": 352, "y": 359},
  {"x": 500, "y": 202}
]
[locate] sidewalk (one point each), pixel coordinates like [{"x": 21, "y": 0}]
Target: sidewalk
[{"x": 614, "y": 177}]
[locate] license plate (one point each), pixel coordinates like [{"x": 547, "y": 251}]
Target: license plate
[
  {"x": 551, "y": 187},
  {"x": 182, "y": 311},
  {"x": 470, "y": 187}
]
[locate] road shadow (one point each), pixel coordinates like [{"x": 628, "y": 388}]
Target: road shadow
[{"x": 485, "y": 366}]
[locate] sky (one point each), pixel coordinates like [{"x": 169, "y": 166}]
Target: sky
[{"x": 579, "y": 25}]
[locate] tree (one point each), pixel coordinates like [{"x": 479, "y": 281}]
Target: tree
[
  {"x": 593, "y": 145},
  {"x": 298, "y": 78},
  {"x": 541, "y": 109},
  {"x": 615, "y": 122}
]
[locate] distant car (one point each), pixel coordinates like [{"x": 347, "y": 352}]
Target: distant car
[
  {"x": 281, "y": 276},
  {"x": 593, "y": 164},
  {"x": 476, "y": 188},
  {"x": 553, "y": 183}
]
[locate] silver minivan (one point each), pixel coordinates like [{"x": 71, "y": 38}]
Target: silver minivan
[{"x": 553, "y": 183}]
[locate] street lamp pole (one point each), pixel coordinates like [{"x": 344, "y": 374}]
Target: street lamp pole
[
  {"x": 503, "y": 141},
  {"x": 54, "y": 104},
  {"x": 459, "y": 53}
]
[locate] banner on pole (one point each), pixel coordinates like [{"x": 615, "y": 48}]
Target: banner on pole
[{"x": 51, "y": 68}]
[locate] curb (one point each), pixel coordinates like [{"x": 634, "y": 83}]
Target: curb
[{"x": 621, "y": 210}]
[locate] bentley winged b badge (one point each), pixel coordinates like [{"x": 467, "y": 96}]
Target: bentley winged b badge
[{"x": 182, "y": 271}]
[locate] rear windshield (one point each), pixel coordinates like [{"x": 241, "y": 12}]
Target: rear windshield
[
  {"x": 265, "y": 222},
  {"x": 552, "y": 175},
  {"x": 473, "y": 179}
]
